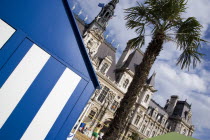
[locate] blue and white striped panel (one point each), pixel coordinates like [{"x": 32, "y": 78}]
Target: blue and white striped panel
[{"x": 21, "y": 79}]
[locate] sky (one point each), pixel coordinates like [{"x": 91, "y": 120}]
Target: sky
[{"x": 193, "y": 85}]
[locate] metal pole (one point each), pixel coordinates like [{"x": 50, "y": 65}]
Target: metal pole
[{"x": 85, "y": 112}]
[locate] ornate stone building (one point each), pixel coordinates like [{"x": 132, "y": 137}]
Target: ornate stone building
[{"x": 147, "y": 118}]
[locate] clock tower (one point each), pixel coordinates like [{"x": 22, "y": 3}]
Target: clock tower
[{"x": 93, "y": 36}]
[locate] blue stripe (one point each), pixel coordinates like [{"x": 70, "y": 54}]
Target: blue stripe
[
  {"x": 75, "y": 113},
  {"x": 31, "y": 102},
  {"x": 10, "y": 46},
  {"x": 15, "y": 59},
  {"x": 66, "y": 110}
]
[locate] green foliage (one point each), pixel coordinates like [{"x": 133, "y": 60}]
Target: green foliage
[
  {"x": 164, "y": 17},
  {"x": 134, "y": 136}
]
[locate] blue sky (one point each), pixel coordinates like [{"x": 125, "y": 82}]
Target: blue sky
[{"x": 193, "y": 85}]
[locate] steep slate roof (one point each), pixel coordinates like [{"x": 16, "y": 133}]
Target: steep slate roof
[
  {"x": 154, "y": 105},
  {"x": 151, "y": 80},
  {"x": 180, "y": 109},
  {"x": 134, "y": 59},
  {"x": 80, "y": 24},
  {"x": 104, "y": 50}
]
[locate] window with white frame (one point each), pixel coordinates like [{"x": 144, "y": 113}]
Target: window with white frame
[
  {"x": 6, "y": 32},
  {"x": 103, "y": 94},
  {"x": 153, "y": 133},
  {"x": 92, "y": 114},
  {"x": 125, "y": 84},
  {"x": 184, "y": 132},
  {"x": 104, "y": 68},
  {"x": 143, "y": 128},
  {"x": 146, "y": 99},
  {"x": 137, "y": 120},
  {"x": 148, "y": 133},
  {"x": 114, "y": 105}
]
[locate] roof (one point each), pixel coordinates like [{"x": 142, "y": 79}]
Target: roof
[
  {"x": 106, "y": 50},
  {"x": 172, "y": 136},
  {"x": 134, "y": 59},
  {"x": 80, "y": 24},
  {"x": 154, "y": 105},
  {"x": 151, "y": 80},
  {"x": 181, "y": 108},
  {"x": 54, "y": 30}
]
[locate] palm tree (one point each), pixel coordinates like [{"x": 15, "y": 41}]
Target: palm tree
[{"x": 164, "y": 19}]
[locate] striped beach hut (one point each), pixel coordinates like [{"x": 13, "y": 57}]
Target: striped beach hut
[{"x": 46, "y": 77}]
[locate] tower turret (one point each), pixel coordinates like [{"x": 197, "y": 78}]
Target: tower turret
[
  {"x": 93, "y": 36},
  {"x": 170, "y": 105},
  {"x": 106, "y": 13}
]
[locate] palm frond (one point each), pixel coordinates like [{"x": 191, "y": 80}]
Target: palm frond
[
  {"x": 189, "y": 40},
  {"x": 189, "y": 33},
  {"x": 136, "y": 42},
  {"x": 140, "y": 14},
  {"x": 189, "y": 56}
]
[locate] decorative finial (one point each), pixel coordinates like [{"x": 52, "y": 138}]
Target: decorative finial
[
  {"x": 74, "y": 6},
  {"x": 80, "y": 12},
  {"x": 118, "y": 46},
  {"x": 86, "y": 18},
  {"x": 112, "y": 41}
]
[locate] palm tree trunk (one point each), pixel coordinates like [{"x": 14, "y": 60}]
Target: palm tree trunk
[{"x": 141, "y": 74}]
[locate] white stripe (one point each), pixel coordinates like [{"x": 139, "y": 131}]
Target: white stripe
[
  {"x": 6, "y": 32},
  {"x": 20, "y": 80},
  {"x": 52, "y": 107}
]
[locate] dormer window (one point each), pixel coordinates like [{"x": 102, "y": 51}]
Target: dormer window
[
  {"x": 104, "y": 68},
  {"x": 125, "y": 84},
  {"x": 163, "y": 121},
  {"x": 146, "y": 99}
]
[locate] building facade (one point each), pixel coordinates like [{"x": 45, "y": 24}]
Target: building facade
[{"x": 147, "y": 118}]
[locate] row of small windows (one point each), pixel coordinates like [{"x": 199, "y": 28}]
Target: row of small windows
[
  {"x": 93, "y": 112},
  {"x": 136, "y": 122},
  {"x": 148, "y": 131},
  {"x": 102, "y": 97}
]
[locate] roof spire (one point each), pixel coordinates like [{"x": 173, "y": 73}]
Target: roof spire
[
  {"x": 114, "y": 2},
  {"x": 151, "y": 80}
]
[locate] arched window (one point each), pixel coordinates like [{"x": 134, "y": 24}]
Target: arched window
[
  {"x": 146, "y": 99},
  {"x": 107, "y": 14},
  {"x": 103, "y": 94},
  {"x": 92, "y": 114},
  {"x": 104, "y": 68},
  {"x": 114, "y": 105},
  {"x": 137, "y": 120},
  {"x": 125, "y": 84},
  {"x": 184, "y": 132},
  {"x": 143, "y": 128},
  {"x": 153, "y": 133}
]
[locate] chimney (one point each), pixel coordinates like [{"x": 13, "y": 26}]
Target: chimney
[{"x": 171, "y": 104}]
